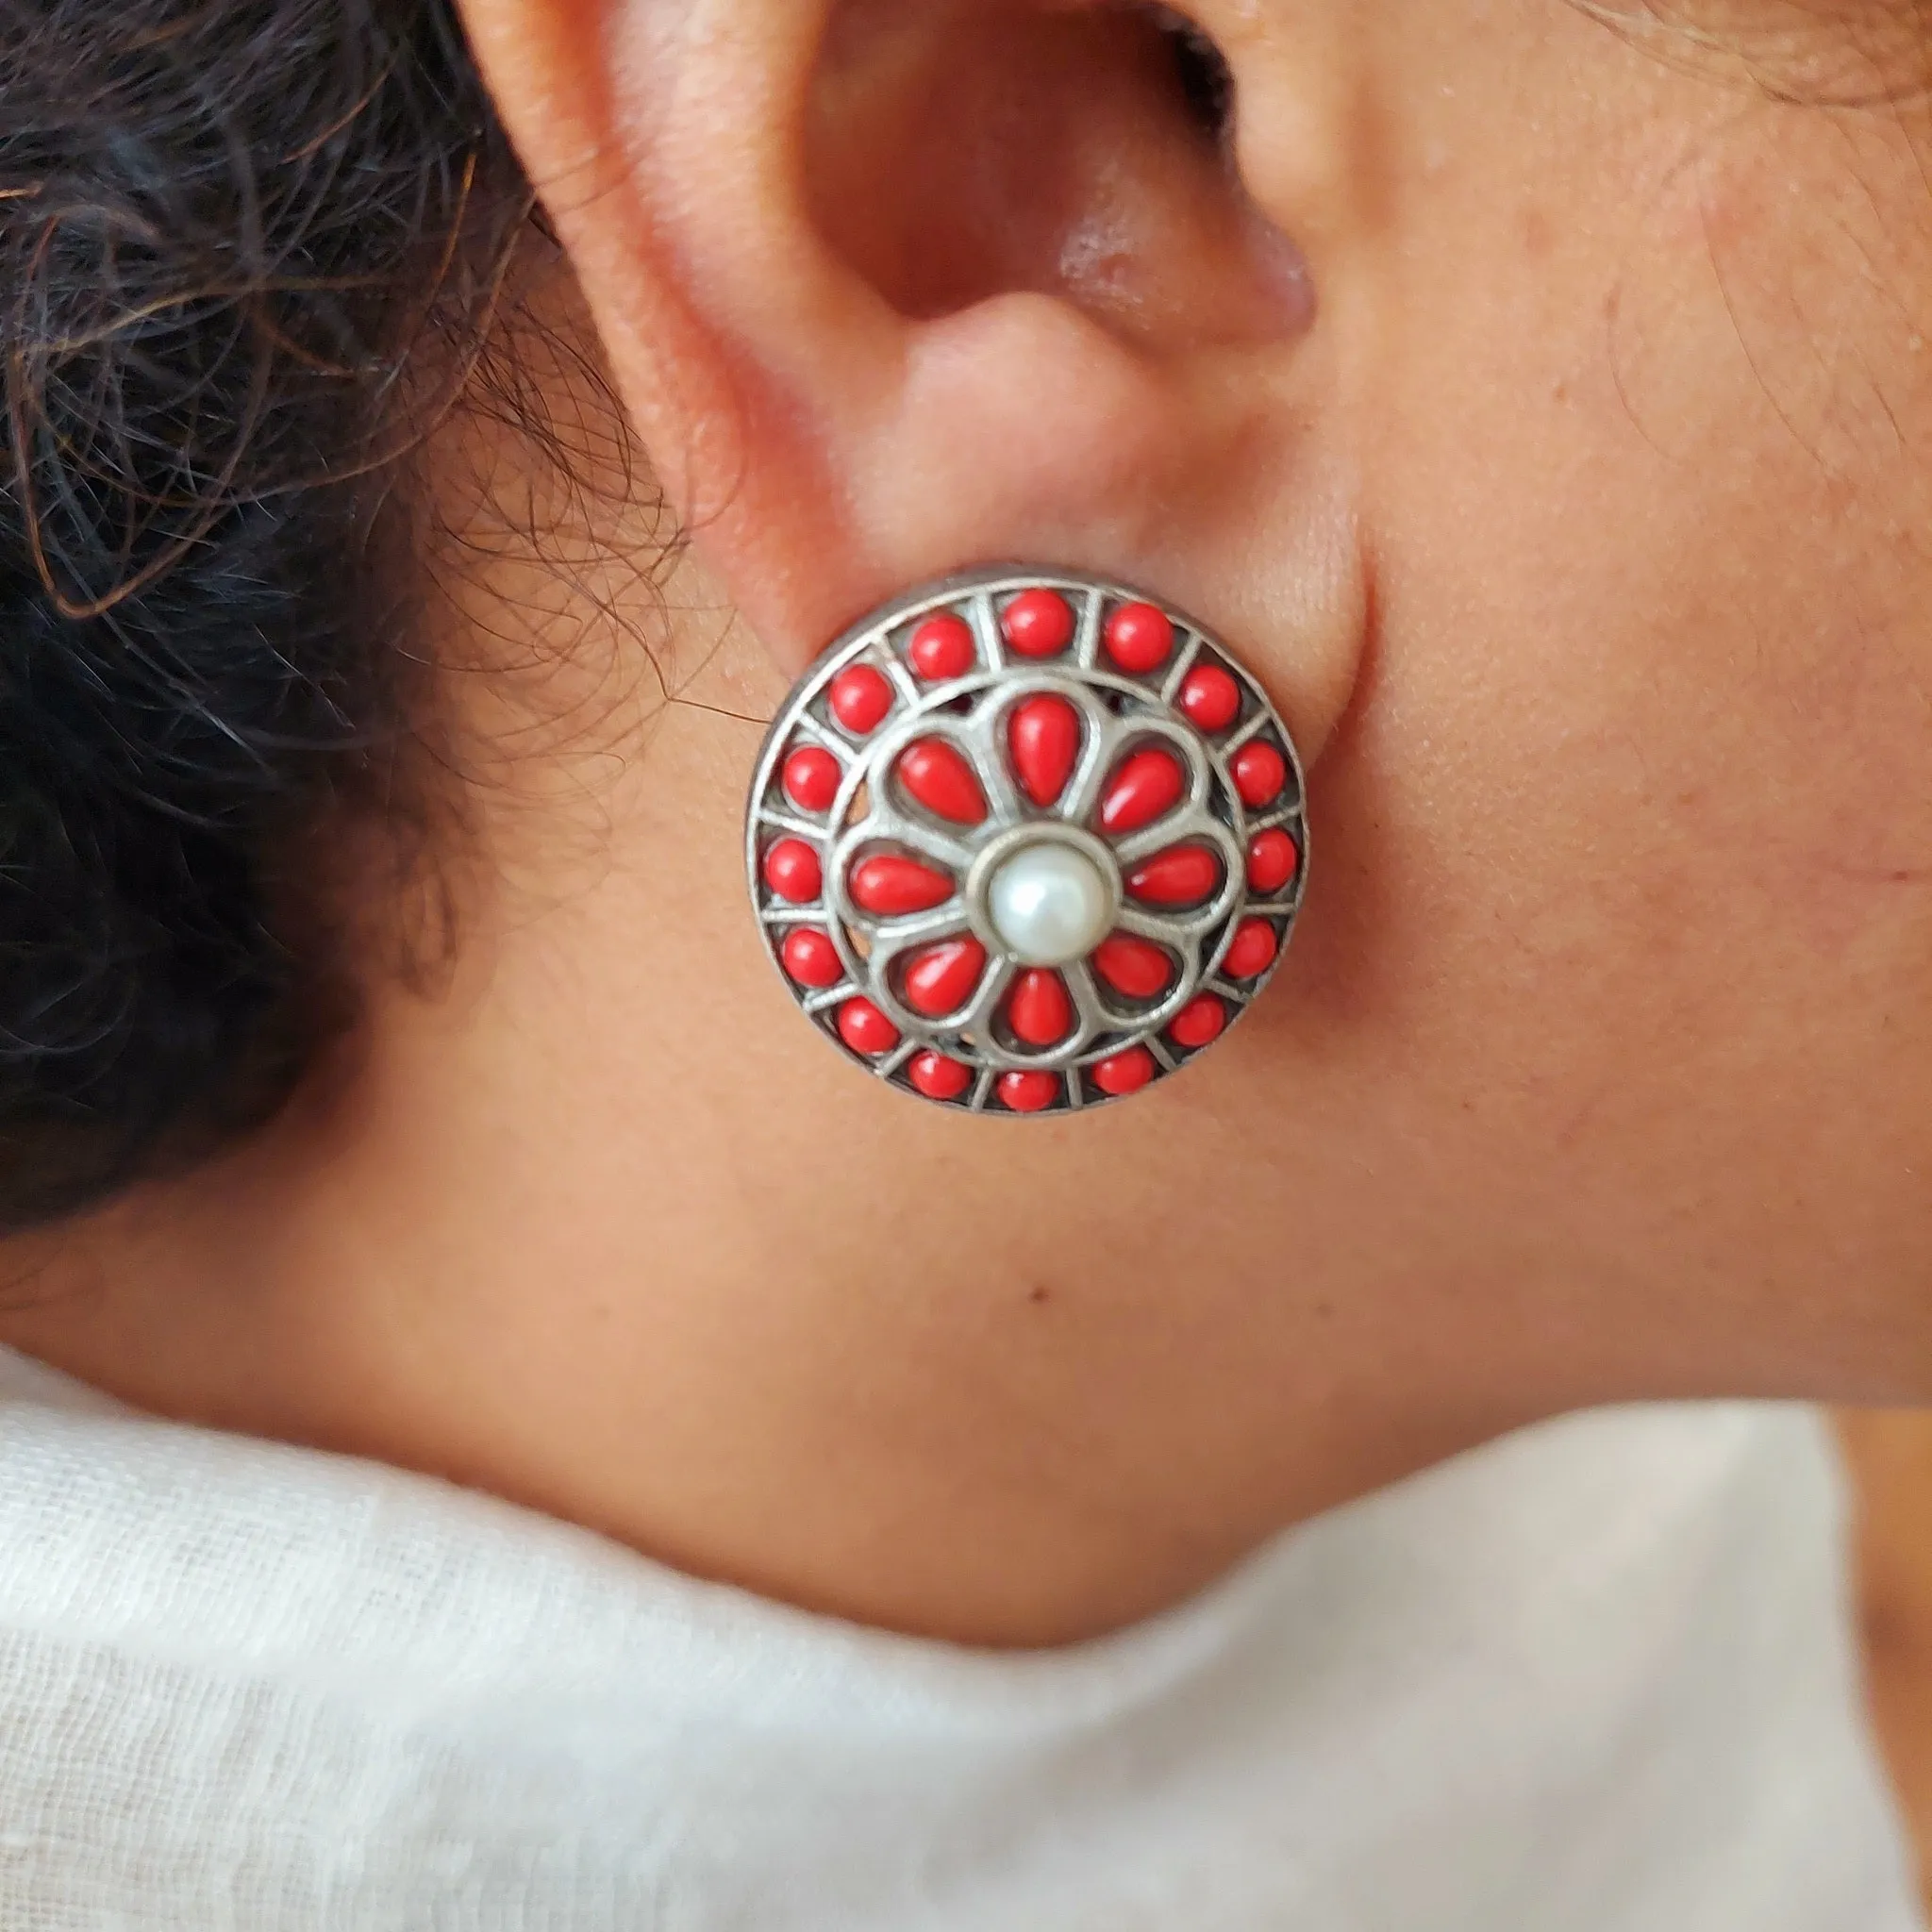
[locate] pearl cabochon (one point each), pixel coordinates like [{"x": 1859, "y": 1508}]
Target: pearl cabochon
[
  {"x": 1026, "y": 841},
  {"x": 1050, "y": 904}
]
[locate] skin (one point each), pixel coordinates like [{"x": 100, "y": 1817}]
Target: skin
[{"x": 1537, "y": 404}]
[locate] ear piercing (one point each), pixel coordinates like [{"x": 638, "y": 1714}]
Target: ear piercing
[{"x": 1026, "y": 842}]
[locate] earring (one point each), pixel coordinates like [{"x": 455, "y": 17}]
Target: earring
[{"x": 1025, "y": 842}]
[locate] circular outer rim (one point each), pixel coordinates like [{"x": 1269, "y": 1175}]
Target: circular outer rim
[{"x": 976, "y": 596}]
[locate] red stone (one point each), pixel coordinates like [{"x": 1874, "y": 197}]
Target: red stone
[
  {"x": 938, "y": 1078},
  {"x": 1200, "y": 1023},
  {"x": 1040, "y": 1010},
  {"x": 1043, "y": 742},
  {"x": 865, "y": 1029},
  {"x": 940, "y": 979},
  {"x": 1032, "y": 1092},
  {"x": 1147, "y": 785},
  {"x": 1135, "y": 967},
  {"x": 1253, "y": 950},
  {"x": 1259, "y": 772},
  {"x": 943, "y": 647},
  {"x": 812, "y": 778},
  {"x": 889, "y": 886},
  {"x": 1038, "y": 624},
  {"x": 792, "y": 871},
  {"x": 1181, "y": 875},
  {"x": 941, "y": 781},
  {"x": 1274, "y": 858},
  {"x": 1125, "y": 1073},
  {"x": 811, "y": 958},
  {"x": 860, "y": 698},
  {"x": 1210, "y": 698},
  {"x": 1140, "y": 638}
]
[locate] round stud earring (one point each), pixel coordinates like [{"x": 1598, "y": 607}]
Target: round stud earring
[{"x": 1025, "y": 842}]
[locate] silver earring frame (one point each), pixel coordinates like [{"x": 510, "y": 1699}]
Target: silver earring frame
[{"x": 1120, "y": 712}]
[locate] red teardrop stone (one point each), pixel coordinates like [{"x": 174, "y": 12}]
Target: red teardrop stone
[
  {"x": 1135, "y": 967},
  {"x": 1038, "y": 624},
  {"x": 1273, "y": 862},
  {"x": 938, "y": 1078},
  {"x": 1125, "y": 1073},
  {"x": 1181, "y": 875},
  {"x": 860, "y": 698},
  {"x": 940, "y": 979},
  {"x": 1140, "y": 638},
  {"x": 865, "y": 1029},
  {"x": 1253, "y": 950},
  {"x": 811, "y": 958},
  {"x": 943, "y": 647},
  {"x": 812, "y": 778},
  {"x": 1147, "y": 785},
  {"x": 1030, "y": 1092},
  {"x": 888, "y": 885},
  {"x": 1043, "y": 742},
  {"x": 1210, "y": 698},
  {"x": 1200, "y": 1023},
  {"x": 941, "y": 781},
  {"x": 1259, "y": 772},
  {"x": 1040, "y": 1010},
  {"x": 792, "y": 871}
]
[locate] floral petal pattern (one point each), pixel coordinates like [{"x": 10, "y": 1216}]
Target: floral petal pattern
[{"x": 1025, "y": 843}]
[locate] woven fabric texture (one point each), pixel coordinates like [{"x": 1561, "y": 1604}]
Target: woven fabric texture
[{"x": 1595, "y": 1678}]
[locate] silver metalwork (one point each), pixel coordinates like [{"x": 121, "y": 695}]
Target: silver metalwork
[{"x": 1120, "y": 712}]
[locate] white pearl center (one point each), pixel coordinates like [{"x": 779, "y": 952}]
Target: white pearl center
[{"x": 1049, "y": 903}]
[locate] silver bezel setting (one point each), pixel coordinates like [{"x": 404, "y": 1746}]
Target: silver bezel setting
[{"x": 1120, "y": 712}]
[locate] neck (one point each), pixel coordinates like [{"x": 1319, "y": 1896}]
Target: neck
[{"x": 600, "y": 1227}]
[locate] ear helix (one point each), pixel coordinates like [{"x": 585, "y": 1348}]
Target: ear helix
[{"x": 1026, "y": 842}]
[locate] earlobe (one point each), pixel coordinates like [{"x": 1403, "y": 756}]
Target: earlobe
[{"x": 896, "y": 286}]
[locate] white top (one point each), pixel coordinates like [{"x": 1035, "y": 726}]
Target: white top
[{"x": 1595, "y": 1678}]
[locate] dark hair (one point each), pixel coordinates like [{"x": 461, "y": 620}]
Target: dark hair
[{"x": 243, "y": 243}]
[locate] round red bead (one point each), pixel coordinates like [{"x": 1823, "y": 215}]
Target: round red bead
[
  {"x": 812, "y": 778},
  {"x": 1136, "y": 967},
  {"x": 811, "y": 958},
  {"x": 938, "y": 1078},
  {"x": 1125, "y": 1073},
  {"x": 1043, "y": 743},
  {"x": 865, "y": 1029},
  {"x": 1210, "y": 698},
  {"x": 792, "y": 871},
  {"x": 891, "y": 885},
  {"x": 1200, "y": 1023},
  {"x": 1274, "y": 858},
  {"x": 1038, "y": 624},
  {"x": 943, "y": 647},
  {"x": 1259, "y": 772},
  {"x": 862, "y": 696},
  {"x": 1039, "y": 1010},
  {"x": 1140, "y": 638},
  {"x": 940, "y": 979},
  {"x": 1253, "y": 950},
  {"x": 1029, "y": 1092},
  {"x": 941, "y": 779},
  {"x": 1181, "y": 875},
  {"x": 1147, "y": 785}
]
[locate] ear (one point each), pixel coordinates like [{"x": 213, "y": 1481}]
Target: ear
[{"x": 893, "y": 287}]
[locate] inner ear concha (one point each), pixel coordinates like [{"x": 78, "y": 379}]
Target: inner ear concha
[{"x": 955, "y": 154}]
